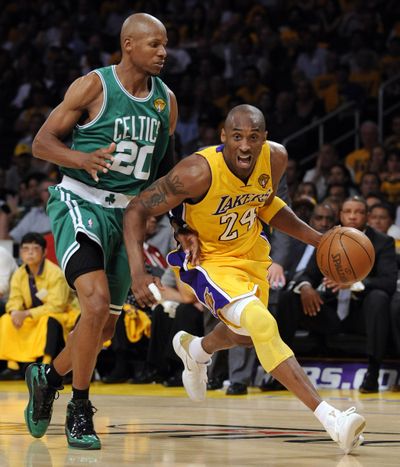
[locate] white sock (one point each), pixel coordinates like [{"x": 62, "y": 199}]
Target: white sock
[
  {"x": 197, "y": 352},
  {"x": 323, "y": 410}
]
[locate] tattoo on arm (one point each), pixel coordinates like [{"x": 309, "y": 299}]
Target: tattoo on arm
[{"x": 160, "y": 189}]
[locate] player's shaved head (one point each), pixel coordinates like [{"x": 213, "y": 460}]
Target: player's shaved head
[
  {"x": 253, "y": 116},
  {"x": 139, "y": 24}
]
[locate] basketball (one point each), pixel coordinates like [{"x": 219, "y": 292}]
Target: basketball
[{"x": 345, "y": 255}]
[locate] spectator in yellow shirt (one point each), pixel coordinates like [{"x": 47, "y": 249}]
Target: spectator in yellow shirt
[
  {"x": 357, "y": 161},
  {"x": 38, "y": 310}
]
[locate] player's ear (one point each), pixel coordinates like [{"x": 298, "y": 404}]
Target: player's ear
[
  {"x": 266, "y": 135},
  {"x": 223, "y": 135},
  {"x": 128, "y": 44}
]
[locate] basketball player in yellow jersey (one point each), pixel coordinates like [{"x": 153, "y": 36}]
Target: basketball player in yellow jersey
[{"x": 226, "y": 191}]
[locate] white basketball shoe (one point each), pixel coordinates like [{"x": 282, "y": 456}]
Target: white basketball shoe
[
  {"x": 194, "y": 376},
  {"x": 346, "y": 428}
]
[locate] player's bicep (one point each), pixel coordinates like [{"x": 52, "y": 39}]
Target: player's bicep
[
  {"x": 164, "y": 194},
  {"x": 78, "y": 98},
  {"x": 61, "y": 121},
  {"x": 190, "y": 178}
]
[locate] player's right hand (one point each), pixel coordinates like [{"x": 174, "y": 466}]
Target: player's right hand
[{"x": 99, "y": 161}]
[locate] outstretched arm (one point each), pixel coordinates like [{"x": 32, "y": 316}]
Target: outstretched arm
[
  {"x": 286, "y": 221},
  {"x": 276, "y": 213},
  {"x": 189, "y": 179}
]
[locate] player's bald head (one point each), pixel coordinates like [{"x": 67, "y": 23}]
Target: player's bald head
[
  {"x": 138, "y": 25},
  {"x": 245, "y": 114}
]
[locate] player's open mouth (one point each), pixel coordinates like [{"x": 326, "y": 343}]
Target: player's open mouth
[{"x": 244, "y": 161}]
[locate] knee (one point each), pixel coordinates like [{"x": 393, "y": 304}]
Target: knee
[
  {"x": 259, "y": 322},
  {"x": 376, "y": 302},
  {"x": 378, "y": 296},
  {"x": 53, "y": 326},
  {"x": 95, "y": 305}
]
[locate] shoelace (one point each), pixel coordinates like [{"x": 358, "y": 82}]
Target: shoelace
[
  {"x": 47, "y": 396},
  {"x": 44, "y": 409},
  {"x": 82, "y": 415},
  {"x": 349, "y": 411}
]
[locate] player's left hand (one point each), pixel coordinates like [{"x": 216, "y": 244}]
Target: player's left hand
[{"x": 189, "y": 241}]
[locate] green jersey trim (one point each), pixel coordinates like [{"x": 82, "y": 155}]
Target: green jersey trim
[
  {"x": 137, "y": 99},
  {"x": 101, "y": 111}
]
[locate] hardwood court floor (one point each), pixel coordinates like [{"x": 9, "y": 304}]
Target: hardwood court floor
[{"x": 149, "y": 425}]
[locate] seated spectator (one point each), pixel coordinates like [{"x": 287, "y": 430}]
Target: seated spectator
[
  {"x": 335, "y": 204},
  {"x": 377, "y": 160},
  {"x": 160, "y": 235},
  {"x": 36, "y": 220},
  {"x": 252, "y": 88},
  {"x": 39, "y": 311},
  {"x": 37, "y": 102},
  {"x": 220, "y": 95},
  {"x": 35, "y": 122},
  {"x": 367, "y": 73},
  {"x": 375, "y": 197},
  {"x": 307, "y": 105},
  {"x": 341, "y": 90},
  {"x": 187, "y": 126},
  {"x": 390, "y": 186},
  {"x": 312, "y": 58},
  {"x": 324, "y": 81},
  {"x": 307, "y": 189},
  {"x": 339, "y": 173},
  {"x": 326, "y": 158},
  {"x": 283, "y": 122},
  {"x": 357, "y": 160},
  {"x": 393, "y": 140},
  {"x": 337, "y": 190},
  {"x": 8, "y": 266},
  {"x": 303, "y": 206},
  {"x": 381, "y": 218},
  {"x": 369, "y": 183},
  {"x": 326, "y": 308},
  {"x": 21, "y": 166}
]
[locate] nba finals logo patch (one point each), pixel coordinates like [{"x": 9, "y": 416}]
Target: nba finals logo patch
[
  {"x": 263, "y": 180},
  {"x": 160, "y": 105},
  {"x": 209, "y": 300}
]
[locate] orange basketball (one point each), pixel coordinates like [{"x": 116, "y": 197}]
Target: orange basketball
[{"x": 345, "y": 255}]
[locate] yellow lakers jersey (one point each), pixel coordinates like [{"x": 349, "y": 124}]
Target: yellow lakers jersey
[{"x": 226, "y": 218}]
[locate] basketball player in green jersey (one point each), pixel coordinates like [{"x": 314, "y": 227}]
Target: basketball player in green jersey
[
  {"x": 123, "y": 118},
  {"x": 226, "y": 191}
]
